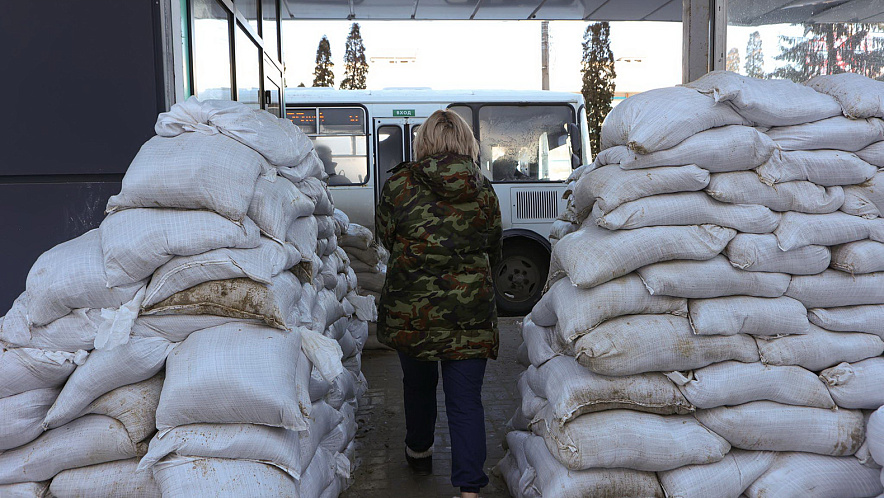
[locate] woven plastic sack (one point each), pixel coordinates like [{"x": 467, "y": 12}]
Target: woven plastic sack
[
  {"x": 105, "y": 480},
  {"x": 822, "y": 167},
  {"x": 662, "y": 118},
  {"x": 859, "y": 96},
  {"x": 713, "y": 278},
  {"x": 356, "y": 236},
  {"x": 191, "y": 171},
  {"x": 323, "y": 421},
  {"x": 611, "y": 186},
  {"x": 744, "y": 187},
  {"x": 795, "y": 475},
  {"x": 542, "y": 343},
  {"x": 276, "y": 203},
  {"x": 302, "y": 233},
  {"x": 318, "y": 192},
  {"x": 620, "y": 346},
  {"x": 70, "y": 333},
  {"x": 833, "y": 133},
  {"x": 866, "y": 199},
  {"x": 630, "y": 439},
  {"x": 753, "y": 252},
  {"x": 856, "y": 385},
  {"x": 185, "y": 477},
  {"x": 833, "y": 288},
  {"x": 726, "y": 478},
  {"x": 136, "y": 242},
  {"x": 799, "y": 230},
  {"x": 734, "y": 383},
  {"x": 23, "y": 415},
  {"x": 176, "y": 328},
  {"x": 747, "y": 315},
  {"x": 235, "y": 373},
  {"x": 322, "y": 472},
  {"x": 95, "y": 438},
  {"x": 873, "y": 154},
  {"x": 25, "y": 490},
  {"x": 863, "y": 256},
  {"x": 875, "y": 435},
  {"x": 105, "y": 370},
  {"x": 514, "y": 468},
  {"x": 868, "y": 319},
  {"x": 25, "y": 369},
  {"x": 819, "y": 349},
  {"x": 593, "y": 255},
  {"x": 576, "y": 312},
  {"x": 71, "y": 275},
  {"x": 718, "y": 150},
  {"x": 572, "y": 390},
  {"x": 766, "y": 102}
]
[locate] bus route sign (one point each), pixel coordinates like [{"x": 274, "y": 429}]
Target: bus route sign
[{"x": 403, "y": 113}]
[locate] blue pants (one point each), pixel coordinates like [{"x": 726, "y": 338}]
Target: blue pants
[{"x": 462, "y": 383}]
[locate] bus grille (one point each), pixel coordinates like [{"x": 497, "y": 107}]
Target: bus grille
[{"x": 536, "y": 204}]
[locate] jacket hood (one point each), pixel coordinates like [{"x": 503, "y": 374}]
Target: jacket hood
[{"x": 450, "y": 176}]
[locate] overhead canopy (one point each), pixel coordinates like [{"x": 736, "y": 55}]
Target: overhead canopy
[{"x": 743, "y": 12}]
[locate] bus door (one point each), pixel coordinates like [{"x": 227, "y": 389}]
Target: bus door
[{"x": 394, "y": 138}]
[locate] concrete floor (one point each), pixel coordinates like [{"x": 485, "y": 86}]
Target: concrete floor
[{"x": 383, "y": 471}]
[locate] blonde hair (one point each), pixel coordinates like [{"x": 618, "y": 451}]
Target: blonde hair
[{"x": 445, "y": 131}]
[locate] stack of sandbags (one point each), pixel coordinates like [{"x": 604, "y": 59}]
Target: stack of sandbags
[
  {"x": 713, "y": 319},
  {"x": 368, "y": 259},
  {"x": 219, "y": 308}
]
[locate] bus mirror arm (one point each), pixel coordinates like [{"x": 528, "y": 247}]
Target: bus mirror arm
[
  {"x": 574, "y": 134},
  {"x": 575, "y": 161}
]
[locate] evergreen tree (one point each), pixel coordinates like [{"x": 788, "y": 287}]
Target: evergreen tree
[
  {"x": 301, "y": 85},
  {"x": 355, "y": 65},
  {"x": 832, "y": 49},
  {"x": 733, "y": 60},
  {"x": 598, "y": 78},
  {"x": 323, "y": 74},
  {"x": 754, "y": 56}
]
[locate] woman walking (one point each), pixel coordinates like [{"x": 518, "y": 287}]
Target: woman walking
[{"x": 440, "y": 219}]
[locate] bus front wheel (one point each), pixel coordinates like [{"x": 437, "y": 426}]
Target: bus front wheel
[{"x": 520, "y": 276}]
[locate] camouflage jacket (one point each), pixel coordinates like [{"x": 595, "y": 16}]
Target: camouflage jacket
[{"x": 440, "y": 219}]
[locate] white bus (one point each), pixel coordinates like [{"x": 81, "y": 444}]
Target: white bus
[{"x": 529, "y": 143}]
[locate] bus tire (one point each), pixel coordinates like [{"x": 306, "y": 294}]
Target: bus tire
[{"x": 520, "y": 276}]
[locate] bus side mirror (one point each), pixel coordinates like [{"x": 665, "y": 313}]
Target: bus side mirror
[
  {"x": 574, "y": 134},
  {"x": 575, "y": 161}
]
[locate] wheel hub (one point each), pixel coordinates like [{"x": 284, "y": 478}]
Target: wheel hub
[{"x": 517, "y": 278}]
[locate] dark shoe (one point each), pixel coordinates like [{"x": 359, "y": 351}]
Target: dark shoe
[{"x": 422, "y": 466}]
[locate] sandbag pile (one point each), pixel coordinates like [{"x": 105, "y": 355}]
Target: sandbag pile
[
  {"x": 712, "y": 324},
  {"x": 205, "y": 340},
  {"x": 369, "y": 260}
]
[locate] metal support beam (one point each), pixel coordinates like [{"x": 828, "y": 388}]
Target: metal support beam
[{"x": 704, "y": 24}]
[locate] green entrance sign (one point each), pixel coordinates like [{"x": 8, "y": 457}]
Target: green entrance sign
[{"x": 403, "y": 113}]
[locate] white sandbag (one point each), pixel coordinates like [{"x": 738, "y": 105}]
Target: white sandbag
[
  {"x": 23, "y": 415},
  {"x": 257, "y": 443},
  {"x": 866, "y": 199},
  {"x": 325, "y": 226},
  {"x": 690, "y": 208},
  {"x": 237, "y": 298},
  {"x": 277, "y": 139},
  {"x": 105, "y": 480},
  {"x": 561, "y": 228},
  {"x": 734, "y": 383},
  {"x": 609, "y": 155},
  {"x": 766, "y": 102},
  {"x": 302, "y": 233},
  {"x": 819, "y": 349},
  {"x": 26, "y": 369},
  {"x": 135, "y": 405},
  {"x": 799, "y": 230},
  {"x": 235, "y": 373},
  {"x": 135, "y": 242},
  {"x": 863, "y": 256},
  {"x": 639, "y": 121},
  {"x": 765, "y": 425},
  {"x": 323, "y": 419},
  {"x": 342, "y": 221},
  {"x": 856, "y": 385},
  {"x": 325, "y": 467},
  {"x": 25, "y": 490},
  {"x": 71, "y": 275},
  {"x": 373, "y": 281},
  {"x": 96, "y": 438},
  {"x": 621, "y": 346},
  {"x": 530, "y": 403},
  {"x": 868, "y": 319},
  {"x": 191, "y": 171},
  {"x": 186, "y": 477},
  {"x": 713, "y": 278},
  {"x": 572, "y": 390},
  {"x": 276, "y": 203},
  {"x": 747, "y": 315},
  {"x": 592, "y": 255},
  {"x": 105, "y": 370},
  {"x": 744, "y": 187},
  {"x": 514, "y": 468},
  {"x": 833, "y": 288},
  {"x": 326, "y": 311},
  {"x": 823, "y": 167},
  {"x": 799, "y": 475},
  {"x": 183, "y": 272},
  {"x": 370, "y": 256},
  {"x": 629, "y": 439},
  {"x": 542, "y": 342},
  {"x": 718, "y": 150},
  {"x": 875, "y": 435},
  {"x": 873, "y": 154},
  {"x": 176, "y": 328},
  {"x": 727, "y": 478},
  {"x": 71, "y": 333},
  {"x": 833, "y": 133},
  {"x": 859, "y": 96},
  {"x": 576, "y": 312},
  {"x": 611, "y": 186},
  {"x": 318, "y": 192},
  {"x": 343, "y": 389},
  {"x": 754, "y": 252},
  {"x": 357, "y": 236}
]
